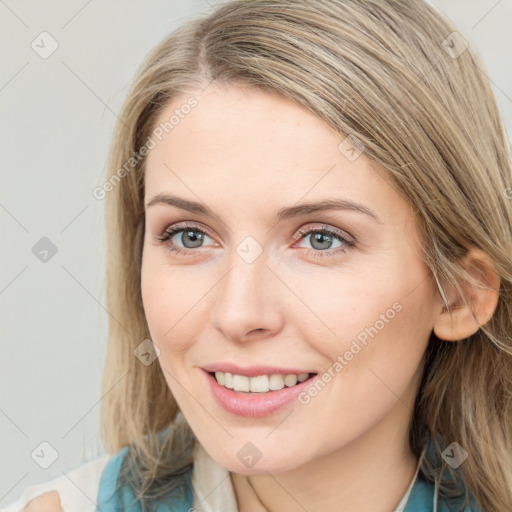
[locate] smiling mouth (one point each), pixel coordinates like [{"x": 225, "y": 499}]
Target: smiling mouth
[{"x": 260, "y": 384}]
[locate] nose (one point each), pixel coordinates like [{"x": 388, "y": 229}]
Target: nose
[{"x": 249, "y": 301}]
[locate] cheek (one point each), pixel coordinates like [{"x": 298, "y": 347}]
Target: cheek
[
  {"x": 382, "y": 322},
  {"x": 169, "y": 298},
  {"x": 380, "y": 318},
  {"x": 379, "y": 341}
]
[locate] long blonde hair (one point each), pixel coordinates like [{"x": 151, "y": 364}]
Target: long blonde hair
[{"x": 399, "y": 77}]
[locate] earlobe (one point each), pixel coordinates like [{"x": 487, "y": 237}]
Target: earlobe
[{"x": 465, "y": 318}]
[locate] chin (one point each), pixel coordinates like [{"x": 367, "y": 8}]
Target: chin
[{"x": 276, "y": 463}]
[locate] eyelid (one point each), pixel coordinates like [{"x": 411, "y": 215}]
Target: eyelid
[
  {"x": 300, "y": 232},
  {"x": 340, "y": 233},
  {"x": 171, "y": 230},
  {"x": 347, "y": 239}
]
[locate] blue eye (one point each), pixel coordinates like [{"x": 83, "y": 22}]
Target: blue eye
[
  {"x": 324, "y": 236},
  {"x": 321, "y": 242},
  {"x": 190, "y": 234}
]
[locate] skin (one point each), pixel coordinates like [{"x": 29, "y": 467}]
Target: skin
[
  {"x": 246, "y": 154},
  {"x": 47, "y": 502}
]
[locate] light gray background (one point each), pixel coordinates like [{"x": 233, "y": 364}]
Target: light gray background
[{"x": 57, "y": 119}]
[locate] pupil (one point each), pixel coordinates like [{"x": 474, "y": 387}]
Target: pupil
[
  {"x": 195, "y": 239},
  {"x": 317, "y": 239}
]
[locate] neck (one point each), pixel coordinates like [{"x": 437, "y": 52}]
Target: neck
[{"x": 372, "y": 472}]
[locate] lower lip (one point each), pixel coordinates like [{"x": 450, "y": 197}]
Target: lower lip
[{"x": 255, "y": 405}]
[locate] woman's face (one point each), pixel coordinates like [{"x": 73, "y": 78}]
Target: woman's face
[{"x": 354, "y": 304}]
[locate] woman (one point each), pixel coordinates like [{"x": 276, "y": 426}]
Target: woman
[{"x": 367, "y": 370}]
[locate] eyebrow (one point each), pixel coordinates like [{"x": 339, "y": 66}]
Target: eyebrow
[{"x": 282, "y": 214}]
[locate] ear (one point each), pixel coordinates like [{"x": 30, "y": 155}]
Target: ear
[{"x": 463, "y": 320}]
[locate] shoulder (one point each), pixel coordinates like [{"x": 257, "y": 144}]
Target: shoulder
[
  {"x": 77, "y": 488},
  {"x": 115, "y": 495},
  {"x": 83, "y": 489}
]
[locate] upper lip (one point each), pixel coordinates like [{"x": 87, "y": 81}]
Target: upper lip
[{"x": 252, "y": 371}]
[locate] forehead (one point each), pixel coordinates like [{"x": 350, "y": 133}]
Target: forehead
[
  {"x": 246, "y": 123},
  {"x": 253, "y": 148}
]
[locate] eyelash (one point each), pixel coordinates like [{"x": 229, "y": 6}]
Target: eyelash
[{"x": 303, "y": 232}]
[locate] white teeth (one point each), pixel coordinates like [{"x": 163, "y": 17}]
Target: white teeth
[
  {"x": 240, "y": 383},
  {"x": 228, "y": 380},
  {"x": 290, "y": 380},
  {"x": 303, "y": 377},
  {"x": 276, "y": 382},
  {"x": 259, "y": 384}
]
